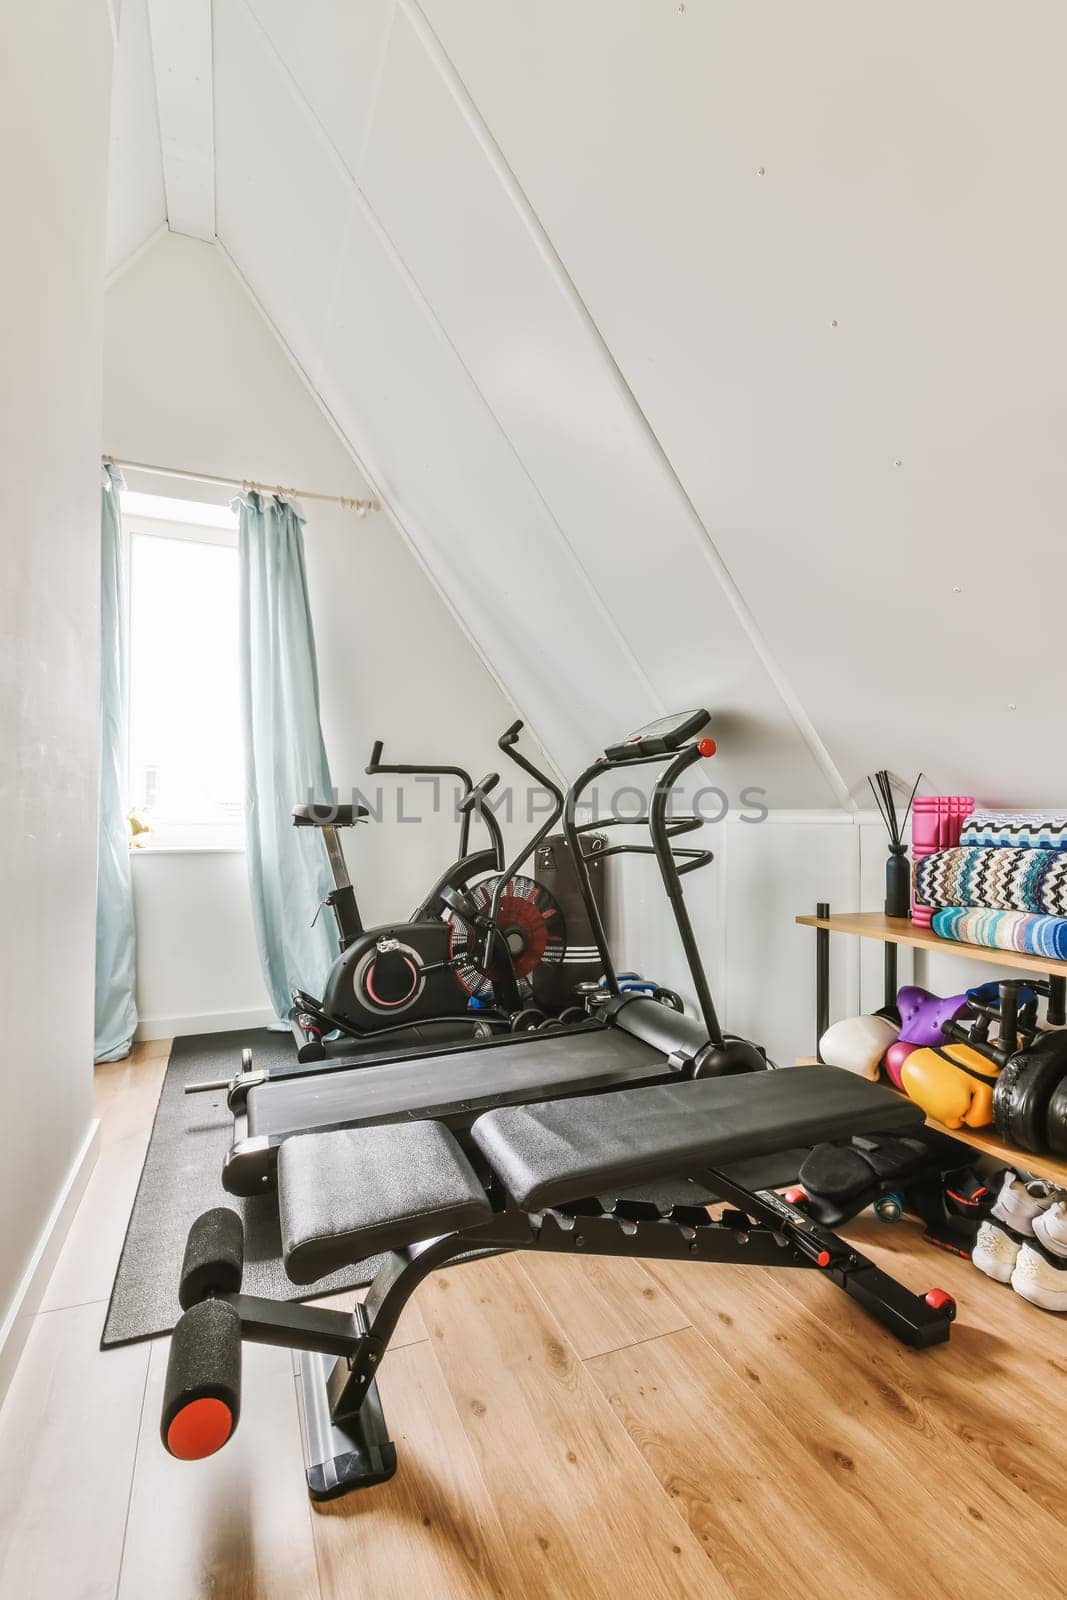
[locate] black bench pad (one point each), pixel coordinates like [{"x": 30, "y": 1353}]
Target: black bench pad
[
  {"x": 353, "y": 1193},
  {"x": 564, "y": 1150}
]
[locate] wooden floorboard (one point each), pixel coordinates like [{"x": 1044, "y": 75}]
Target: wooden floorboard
[
  {"x": 581, "y": 1509},
  {"x": 867, "y": 1420},
  {"x": 765, "y": 1514},
  {"x": 433, "y": 1529},
  {"x": 603, "y": 1302},
  {"x": 566, "y": 1428},
  {"x": 1019, "y": 1353}
]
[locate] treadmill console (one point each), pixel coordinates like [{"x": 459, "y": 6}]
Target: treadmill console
[{"x": 661, "y": 737}]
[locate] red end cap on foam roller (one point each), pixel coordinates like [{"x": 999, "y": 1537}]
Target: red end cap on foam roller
[
  {"x": 940, "y": 1300},
  {"x": 707, "y": 747},
  {"x": 199, "y": 1429}
]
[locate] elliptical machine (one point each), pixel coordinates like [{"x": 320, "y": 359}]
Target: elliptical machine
[{"x": 478, "y": 926}]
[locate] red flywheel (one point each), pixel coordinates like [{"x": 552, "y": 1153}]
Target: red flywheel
[{"x": 529, "y": 919}]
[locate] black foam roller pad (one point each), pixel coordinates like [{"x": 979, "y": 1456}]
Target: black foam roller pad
[
  {"x": 214, "y": 1257},
  {"x": 204, "y": 1364}
]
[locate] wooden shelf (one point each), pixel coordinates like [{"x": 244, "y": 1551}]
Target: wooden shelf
[
  {"x": 1054, "y": 1168},
  {"x": 900, "y": 930}
]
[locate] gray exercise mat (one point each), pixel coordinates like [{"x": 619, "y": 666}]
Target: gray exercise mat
[{"x": 181, "y": 1178}]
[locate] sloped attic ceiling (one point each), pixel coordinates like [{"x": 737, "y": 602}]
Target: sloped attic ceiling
[{"x": 706, "y": 353}]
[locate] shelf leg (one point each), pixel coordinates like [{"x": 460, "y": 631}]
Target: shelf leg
[
  {"x": 1057, "y": 1001},
  {"x": 822, "y": 976},
  {"x": 890, "y": 975}
]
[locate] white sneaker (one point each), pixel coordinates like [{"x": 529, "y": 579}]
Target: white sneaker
[
  {"x": 1010, "y": 1223},
  {"x": 1018, "y": 1203},
  {"x": 995, "y": 1252},
  {"x": 1038, "y": 1281},
  {"x": 1051, "y": 1228}
]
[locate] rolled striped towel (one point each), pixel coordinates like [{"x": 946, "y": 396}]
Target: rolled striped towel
[
  {"x": 1004, "y": 930},
  {"x": 995, "y": 880},
  {"x": 1028, "y": 830}
]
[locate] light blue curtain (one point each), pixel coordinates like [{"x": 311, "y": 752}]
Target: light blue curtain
[
  {"x": 116, "y": 1006},
  {"x": 285, "y": 759}
]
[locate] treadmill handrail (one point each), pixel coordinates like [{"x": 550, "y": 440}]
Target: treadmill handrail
[
  {"x": 573, "y": 831},
  {"x": 672, "y": 874}
]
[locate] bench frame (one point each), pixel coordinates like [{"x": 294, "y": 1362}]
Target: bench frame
[{"x": 345, "y": 1434}]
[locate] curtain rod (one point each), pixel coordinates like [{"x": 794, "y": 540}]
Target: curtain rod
[{"x": 360, "y": 507}]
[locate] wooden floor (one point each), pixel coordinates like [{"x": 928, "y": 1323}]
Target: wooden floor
[{"x": 565, "y": 1428}]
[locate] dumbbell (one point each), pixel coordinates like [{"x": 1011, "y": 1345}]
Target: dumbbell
[{"x": 202, "y": 1392}]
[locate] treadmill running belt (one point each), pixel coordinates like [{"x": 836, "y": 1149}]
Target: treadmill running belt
[{"x": 464, "y": 1080}]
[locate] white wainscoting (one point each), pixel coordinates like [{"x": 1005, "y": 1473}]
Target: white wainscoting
[{"x": 761, "y": 965}]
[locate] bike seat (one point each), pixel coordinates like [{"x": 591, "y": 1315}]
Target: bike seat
[{"x": 325, "y": 815}]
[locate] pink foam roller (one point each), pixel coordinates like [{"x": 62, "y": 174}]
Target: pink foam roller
[{"x": 936, "y": 824}]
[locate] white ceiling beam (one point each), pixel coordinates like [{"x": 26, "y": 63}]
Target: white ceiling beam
[{"x": 182, "y": 53}]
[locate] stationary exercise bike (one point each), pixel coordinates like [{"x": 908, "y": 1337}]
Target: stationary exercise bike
[{"x": 462, "y": 963}]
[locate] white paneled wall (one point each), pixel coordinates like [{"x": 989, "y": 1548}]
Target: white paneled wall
[
  {"x": 431, "y": 312},
  {"x": 135, "y": 201},
  {"x": 818, "y": 243},
  {"x": 706, "y": 352},
  {"x": 335, "y": 54},
  {"x": 743, "y": 906}
]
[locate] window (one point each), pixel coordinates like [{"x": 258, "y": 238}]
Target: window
[{"x": 186, "y": 762}]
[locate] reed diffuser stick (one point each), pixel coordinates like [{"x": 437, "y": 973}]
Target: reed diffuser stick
[{"x": 897, "y": 872}]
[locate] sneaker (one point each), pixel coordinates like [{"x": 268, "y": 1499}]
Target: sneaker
[
  {"x": 1009, "y": 1225},
  {"x": 1051, "y": 1228},
  {"x": 995, "y": 1252},
  {"x": 1019, "y": 1202},
  {"x": 1039, "y": 1280}
]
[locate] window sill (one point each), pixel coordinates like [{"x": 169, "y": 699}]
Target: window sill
[{"x": 189, "y": 848}]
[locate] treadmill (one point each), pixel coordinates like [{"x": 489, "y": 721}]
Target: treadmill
[{"x": 628, "y": 1040}]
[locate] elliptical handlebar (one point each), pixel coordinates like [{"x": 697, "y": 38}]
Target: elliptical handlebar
[
  {"x": 472, "y": 802},
  {"x": 478, "y": 791},
  {"x": 406, "y": 769},
  {"x": 507, "y": 742}
]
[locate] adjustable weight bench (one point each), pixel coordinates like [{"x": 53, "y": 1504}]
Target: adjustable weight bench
[{"x": 554, "y": 1176}]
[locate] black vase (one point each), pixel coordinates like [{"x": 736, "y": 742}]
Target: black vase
[{"x": 898, "y": 882}]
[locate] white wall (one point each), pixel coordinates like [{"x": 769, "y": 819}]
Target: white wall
[
  {"x": 728, "y": 381},
  {"x": 744, "y": 906},
  {"x": 194, "y": 378},
  {"x": 197, "y": 965},
  {"x": 54, "y": 87}
]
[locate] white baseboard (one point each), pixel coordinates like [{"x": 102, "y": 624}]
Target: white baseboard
[
  {"x": 205, "y": 1022},
  {"x": 28, "y": 1296}
]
